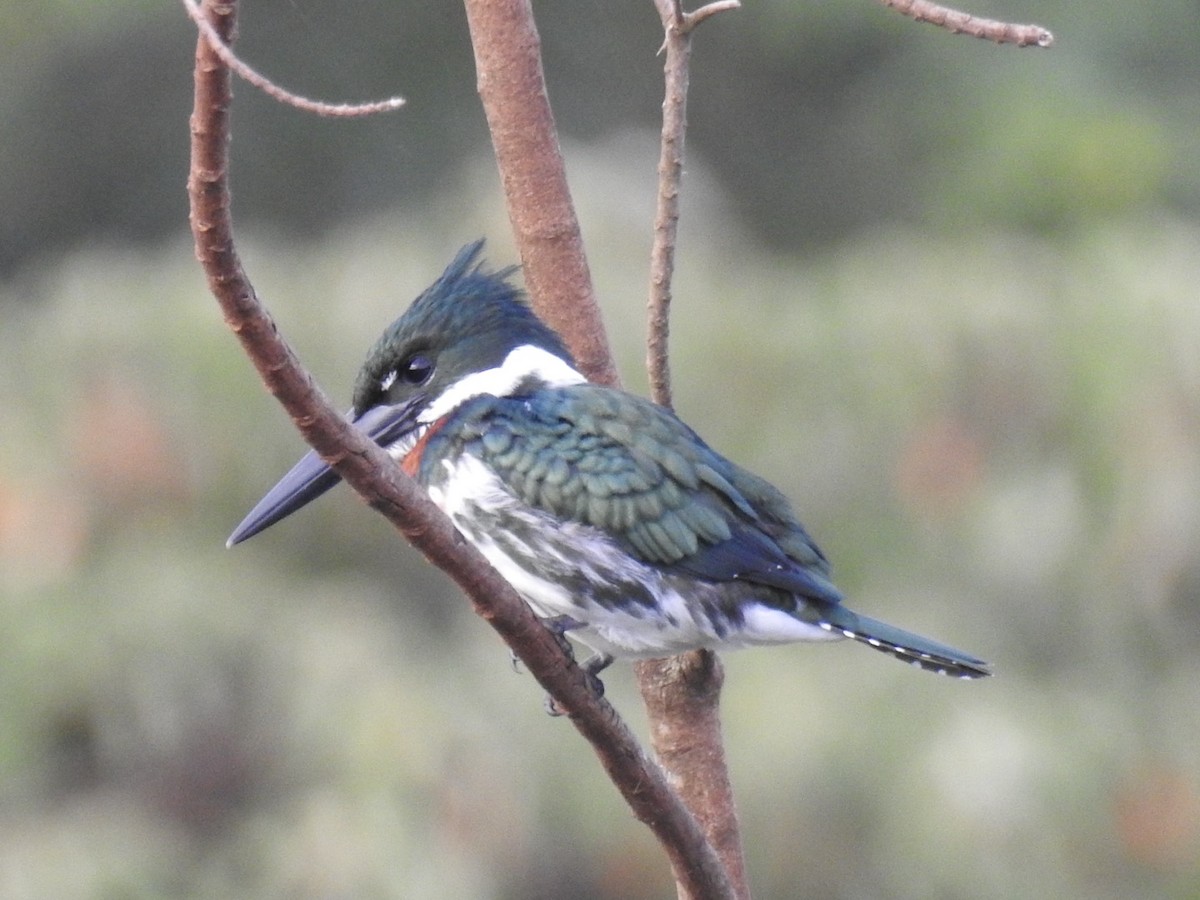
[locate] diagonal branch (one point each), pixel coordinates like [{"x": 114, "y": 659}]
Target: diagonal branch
[
  {"x": 376, "y": 477},
  {"x": 264, "y": 84},
  {"x": 962, "y": 23}
]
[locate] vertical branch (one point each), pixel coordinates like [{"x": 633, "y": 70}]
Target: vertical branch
[
  {"x": 682, "y": 694},
  {"x": 678, "y": 47},
  {"x": 369, "y": 470},
  {"x": 508, "y": 64},
  {"x": 512, "y": 88},
  {"x": 677, "y": 26}
]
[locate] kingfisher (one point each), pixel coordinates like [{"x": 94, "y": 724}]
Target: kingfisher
[{"x": 615, "y": 521}]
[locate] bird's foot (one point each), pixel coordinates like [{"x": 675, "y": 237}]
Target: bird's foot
[
  {"x": 557, "y": 626},
  {"x": 592, "y": 667}
]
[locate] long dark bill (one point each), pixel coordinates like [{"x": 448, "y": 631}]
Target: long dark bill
[{"x": 312, "y": 477}]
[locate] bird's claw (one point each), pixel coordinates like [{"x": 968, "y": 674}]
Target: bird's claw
[
  {"x": 592, "y": 667},
  {"x": 559, "y": 626}
]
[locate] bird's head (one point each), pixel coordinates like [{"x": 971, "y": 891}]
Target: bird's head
[{"x": 469, "y": 333}]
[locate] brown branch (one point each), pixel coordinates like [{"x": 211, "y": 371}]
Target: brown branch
[
  {"x": 682, "y": 694},
  {"x": 961, "y": 23},
  {"x": 696, "y": 16},
  {"x": 677, "y": 44},
  {"x": 376, "y": 477},
  {"x": 264, "y": 84},
  {"x": 512, "y": 88},
  {"x": 508, "y": 65}
]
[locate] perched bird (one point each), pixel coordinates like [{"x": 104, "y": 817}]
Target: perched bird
[{"x": 611, "y": 517}]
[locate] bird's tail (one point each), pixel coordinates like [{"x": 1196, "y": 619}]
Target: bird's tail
[{"x": 904, "y": 645}]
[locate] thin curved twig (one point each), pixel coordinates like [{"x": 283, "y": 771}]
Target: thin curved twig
[
  {"x": 690, "y": 20},
  {"x": 376, "y": 477},
  {"x": 962, "y": 23},
  {"x": 267, "y": 86}
]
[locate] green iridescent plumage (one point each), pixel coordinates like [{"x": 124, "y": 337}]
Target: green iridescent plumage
[
  {"x": 462, "y": 336},
  {"x": 600, "y": 508},
  {"x": 634, "y": 471}
]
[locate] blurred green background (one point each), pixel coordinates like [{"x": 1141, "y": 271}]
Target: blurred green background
[{"x": 943, "y": 293}]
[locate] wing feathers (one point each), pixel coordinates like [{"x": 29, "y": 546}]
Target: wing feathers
[{"x": 633, "y": 470}]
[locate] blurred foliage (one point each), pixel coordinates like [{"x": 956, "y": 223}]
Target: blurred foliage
[
  {"x": 821, "y": 119},
  {"x": 942, "y": 293},
  {"x": 996, "y": 438}
]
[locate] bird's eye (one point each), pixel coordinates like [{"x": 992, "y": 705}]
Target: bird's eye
[{"x": 416, "y": 370}]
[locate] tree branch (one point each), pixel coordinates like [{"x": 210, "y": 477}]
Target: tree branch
[
  {"x": 961, "y": 23},
  {"x": 677, "y": 44},
  {"x": 508, "y": 66},
  {"x": 512, "y": 88},
  {"x": 376, "y": 477},
  {"x": 682, "y": 694},
  {"x": 264, "y": 84}
]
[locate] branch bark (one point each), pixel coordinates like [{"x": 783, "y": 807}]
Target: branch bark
[
  {"x": 512, "y": 88},
  {"x": 677, "y": 45},
  {"x": 508, "y": 66},
  {"x": 267, "y": 86},
  {"x": 682, "y": 694},
  {"x": 376, "y": 477},
  {"x": 961, "y": 23}
]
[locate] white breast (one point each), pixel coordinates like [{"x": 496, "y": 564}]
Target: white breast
[{"x": 538, "y": 554}]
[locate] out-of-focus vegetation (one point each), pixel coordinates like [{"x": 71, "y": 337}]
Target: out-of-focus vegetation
[
  {"x": 944, "y": 294},
  {"x": 820, "y": 118}
]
